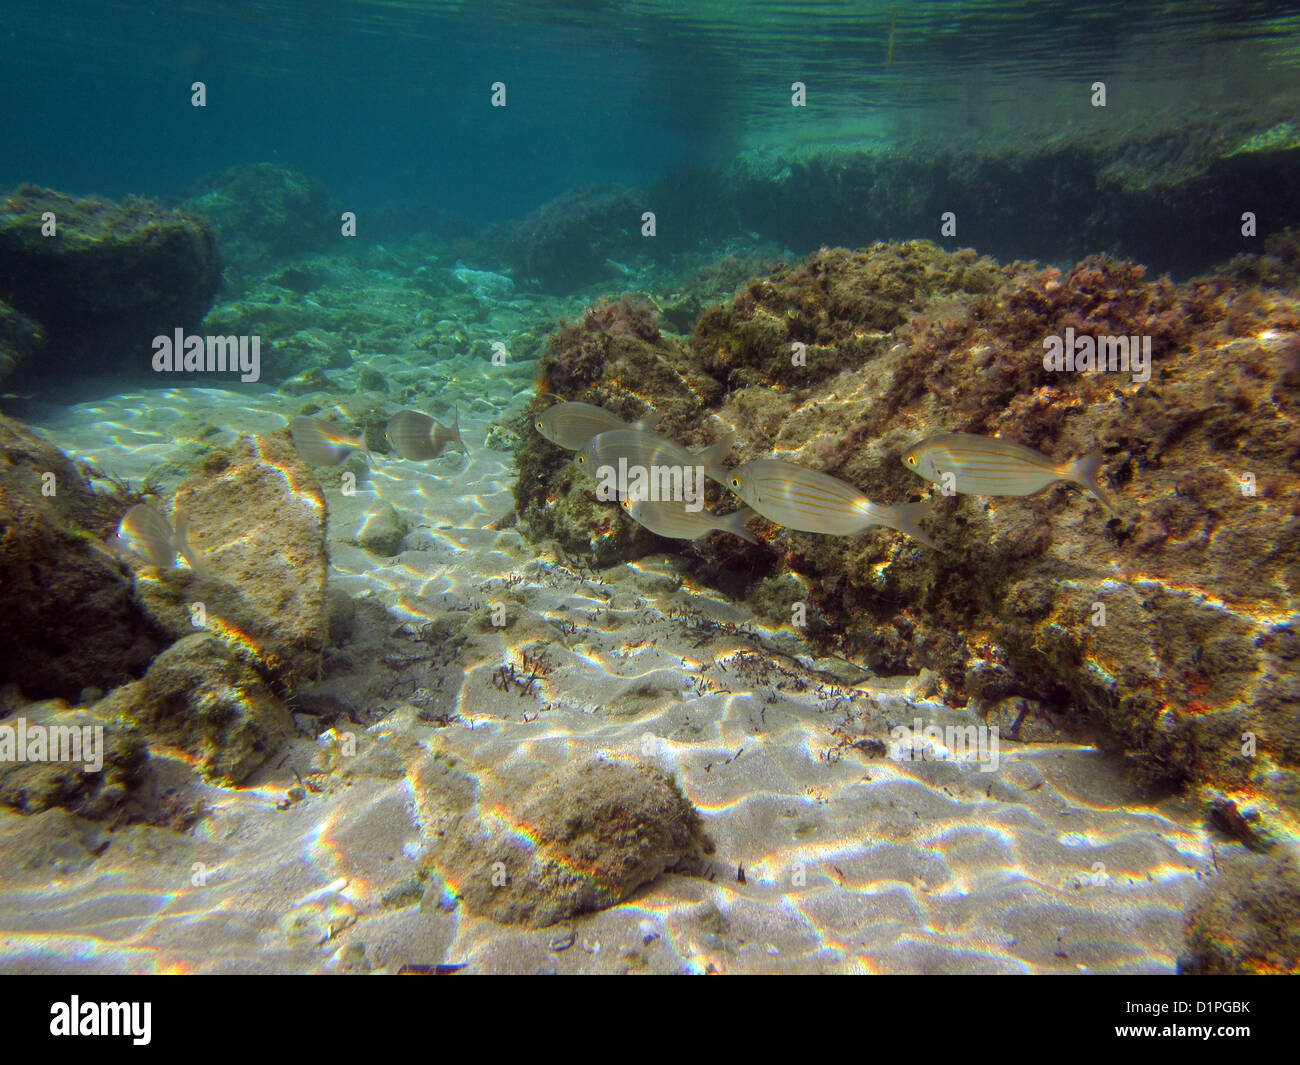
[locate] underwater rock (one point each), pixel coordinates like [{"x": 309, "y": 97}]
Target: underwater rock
[
  {"x": 199, "y": 697},
  {"x": 1169, "y": 635},
  {"x": 582, "y": 838},
  {"x": 99, "y": 775},
  {"x": 591, "y": 361},
  {"x": 564, "y": 243},
  {"x": 258, "y": 517},
  {"x": 20, "y": 339},
  {"x": 484, "y": 284},
  {"x": 500, "y": 438},
  {"x": 50, "y": 842},
  {"x": 382, "y": 531},
  {"x": 116, "y": 276},
  {"x": 1006, "y": 196},
  {"x": 1247, "y": 919},
  {"x": 67, "y": 620},
  {"x": 261, "y": 213}
]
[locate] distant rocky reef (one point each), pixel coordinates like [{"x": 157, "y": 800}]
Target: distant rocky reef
[{"x": 1168, "y": 634}]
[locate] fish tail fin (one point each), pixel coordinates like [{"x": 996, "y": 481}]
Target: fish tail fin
[
  {"x": 735, "y": 524},
  {"x": 711, "y": 458},
  {"x": 1083, "y": 471},
  {"x": 181, "y": 541},
  {"x": 455, "y": 429},
  {"x": 906, "y": 518}
]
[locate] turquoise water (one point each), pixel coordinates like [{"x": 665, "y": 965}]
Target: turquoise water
[{"x": 381, "y": 100}]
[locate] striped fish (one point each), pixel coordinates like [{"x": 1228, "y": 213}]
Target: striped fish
[
  {"x": 674, "y": 521},
  {"x": 986, "y": 466},
  {"x": 145, "y": 532},
  {"x": 639, "y": 448},
  {"x": 803, "y": 499},
  {"x": 418, "y": 437},
  {"x": 320, "y": 444},
  {"x": 570, "y": 425}
]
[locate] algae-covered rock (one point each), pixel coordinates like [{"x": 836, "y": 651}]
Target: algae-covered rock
[
  {"x": 582, "y": 838},
  {"x": 614, "y": 353},
  {"x": 91, "y": 764},
  {"x": 1247, "y": 919},
  {"x": 67, "y": 619},
  {"x": 1168, "y": 633},
  {"x": 261, "y": 212},
  {"x": 20, "y": 339},
  {"x": 199, "y": 697},
  {"x": 111, "y": 278}
]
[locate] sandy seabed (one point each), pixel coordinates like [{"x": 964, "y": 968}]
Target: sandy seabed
[{"x": 852, "y": 861}]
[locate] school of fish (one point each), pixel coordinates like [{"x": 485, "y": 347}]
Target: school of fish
[{"x": 794, "y": 496}]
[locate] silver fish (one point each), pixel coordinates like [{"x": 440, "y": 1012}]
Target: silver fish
[
  {"x": 418, "y": 437},
  {"x": 570, "y": 425},
  {"x": 803, "y": 499},
  {"x": 320, "y": 444},
  {"x": 634, "y": 447},
  {"x": 146, "y": 533},
  {"x": 674, "y": 521},
  {"x": 986, "y": 466}
]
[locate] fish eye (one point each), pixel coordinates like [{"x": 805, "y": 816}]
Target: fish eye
[
  {"x": 735, "y": 482},
  {"x": 582, "y": 459},
  {"x": 538, "y": 423},
  {"x": 911, "y": 460}
]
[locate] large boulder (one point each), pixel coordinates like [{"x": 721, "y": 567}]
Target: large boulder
[
  {"x": 113, "y": 276},
  {"x": 199, "y": 697},
  {"x": 258, "y": 517},
  {"x": 67, "y": 617},
  {"x": 582, "y": 838}
]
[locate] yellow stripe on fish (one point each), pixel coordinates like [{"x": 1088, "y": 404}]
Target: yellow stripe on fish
[
  {"x": 672, "y": 520},
  {"x": 804, "y": 499},
  {"x": 638, "y": 448},
  {"x": 987, "y": 466},
  {"x": 571, "y": 425}
]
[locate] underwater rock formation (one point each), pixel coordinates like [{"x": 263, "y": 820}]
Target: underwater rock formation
[
  {"x": 67, "y": 618},
  {"x": 258, "y": 517},
  {"x": 262, "y": 213},
  {"x": 118, "y": 782},
  {"x": 1171, "y": 633},
  {"x": 582, "y": 838},
  {"x": 199, "y": 697},
  {"x": 564, "y": 244},
  {"x": 610, "y": 358},
  {"x": 1247, "y": 919},
  {"x": 1034, "y": 198},
  {"x": 114, "y": 276}
]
